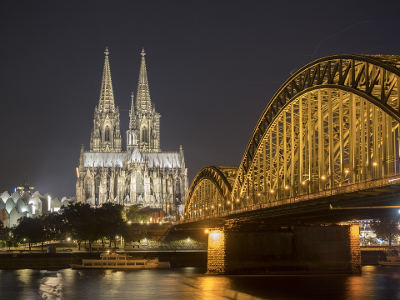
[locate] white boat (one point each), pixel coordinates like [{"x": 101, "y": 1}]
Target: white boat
[
  {"x": 120, "y": 262},
  {"x": 392, "y": 261}
]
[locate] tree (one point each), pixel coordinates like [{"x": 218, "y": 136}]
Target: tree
[
  {"x": 30, "y": 229},
  {"x": 111, "y": 222},
  {"x": 81, "y": 223},
  {"x": 386, "y": 229},
  {"x": 135, "y": 215},
  {"x": 53, "y": 226}
]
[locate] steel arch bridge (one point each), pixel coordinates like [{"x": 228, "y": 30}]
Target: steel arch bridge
[{"x": 332, "y": 127}]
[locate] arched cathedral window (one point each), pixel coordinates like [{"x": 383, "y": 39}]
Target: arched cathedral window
[
  {"x": 145, "y": 135},
  {"x": 107, "y": 134}
]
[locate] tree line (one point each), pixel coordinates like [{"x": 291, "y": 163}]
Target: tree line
[{"x": 78, "y": 221}]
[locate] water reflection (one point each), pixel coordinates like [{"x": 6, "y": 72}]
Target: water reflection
[
  {"x": 51, "y": 285},
  {"x": 191, "y": 283}
]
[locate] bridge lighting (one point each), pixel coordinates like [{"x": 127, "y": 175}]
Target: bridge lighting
[
  {"x": 303, "y": 182},
  {"x": 346, "y": 171},
  {"x": 237, "y": 200},
  {"x": 212, "y": 206},
  {"x": 398, "y": 211},
  {"x": 206, "y": 231},
  {"x": 219, "y": 204},
  {"x": 129, "y": 222},
  {"x": 258, "y": 194},
  {"x": 323, "y": 177},
  {"x": 271, "y": 191},
  {"x": 68, "y": 239},
  {"x": 286, "y": 187},
  {"x": 375, "y": 164},
  {"x": 228, "y": 202}
]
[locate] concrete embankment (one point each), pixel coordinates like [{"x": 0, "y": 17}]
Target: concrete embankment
[{"x": 63, "y": 260}]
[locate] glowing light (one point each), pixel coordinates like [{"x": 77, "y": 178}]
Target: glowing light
[
  {"x": 323, "y": 177},
  {"x": 141, "y": 222},
  {"x": 346, "y": 171},
  {"x": 215, "y": 238},
  {"x": 271, "y": 191},
  {"x": 303, "y": 182},
  {"x": 206, "y": 231},
  {"x": 238, "y": 200},
  {"x": 68, "y": 239},
  {"x": 219, "y": 204},
  {"x": 286, "y": 187},
  {"x": 48, "y": 202},
  {"x": 129, "y": 222},
  {"x": 228, "y": 202},
  {"x": 258, "y": 194},
  {"x": 374, "y": 163},
  {"x": 160, "y": 223}
]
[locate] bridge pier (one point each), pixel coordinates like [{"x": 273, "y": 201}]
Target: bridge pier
[{"x": 301, "y": 249}]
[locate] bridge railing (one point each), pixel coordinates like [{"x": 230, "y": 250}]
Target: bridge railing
[{"x": 344, "y": 189}]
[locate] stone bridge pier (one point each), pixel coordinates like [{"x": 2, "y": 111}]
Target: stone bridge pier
[{"x": 234, "y": 249}]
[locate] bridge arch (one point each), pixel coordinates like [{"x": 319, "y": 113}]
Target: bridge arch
[
  {"x": 210, "y": 191},
  {"x": 374, "y": 79},
  {"x": 332, "y": 125}
]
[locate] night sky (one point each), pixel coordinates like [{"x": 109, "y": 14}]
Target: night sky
[{"x": 213, "y": 66}]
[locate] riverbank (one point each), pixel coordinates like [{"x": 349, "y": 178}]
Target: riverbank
[{"x": 177, "y": 259}]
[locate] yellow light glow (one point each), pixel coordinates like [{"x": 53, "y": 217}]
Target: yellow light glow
[
  {"x": 271, "y": 191},
  {"x": 215, "y": 238},
  {"x": 303, "y": 182},
  {"x": 286, "y": 187},
  {"x": 374, "y": 163},
  {"x": 323, "y": 177},
  {"x": 346, "y": 171},
  {"x": 206, "y": 231}
]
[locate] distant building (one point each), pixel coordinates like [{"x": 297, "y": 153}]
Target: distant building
[
  {"x": 25, "y": 202},
  {"x": 142, "y": 174}
]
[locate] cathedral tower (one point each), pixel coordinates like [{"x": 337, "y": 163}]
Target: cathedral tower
[
  {"x": 106, "y": 133},
  {"x": 144, "y": 125}
]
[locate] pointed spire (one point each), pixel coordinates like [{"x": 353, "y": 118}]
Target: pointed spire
[
  {"x": 106, "y": 101},
  {"x": 143, "y": 101},
  {"x": 132, "y": 116}
]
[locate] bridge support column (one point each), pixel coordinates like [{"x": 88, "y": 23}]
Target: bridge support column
[{"x": 300, "y": 249}]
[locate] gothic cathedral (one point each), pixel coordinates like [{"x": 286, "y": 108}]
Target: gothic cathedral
[{"x": 142, "y": 174}]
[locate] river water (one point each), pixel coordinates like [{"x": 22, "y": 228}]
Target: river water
[{"x": 190, "y": 283}]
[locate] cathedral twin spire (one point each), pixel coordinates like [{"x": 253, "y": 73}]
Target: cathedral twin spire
[
  {"x": 106, "y": 101},
  {"x": 144, "y": 125}
]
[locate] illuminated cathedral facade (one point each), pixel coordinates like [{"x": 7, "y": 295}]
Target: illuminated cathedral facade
[{"x": 141, "y": 174}]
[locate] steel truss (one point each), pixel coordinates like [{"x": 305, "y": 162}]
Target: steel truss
[{"x": 333, "y": 123}]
